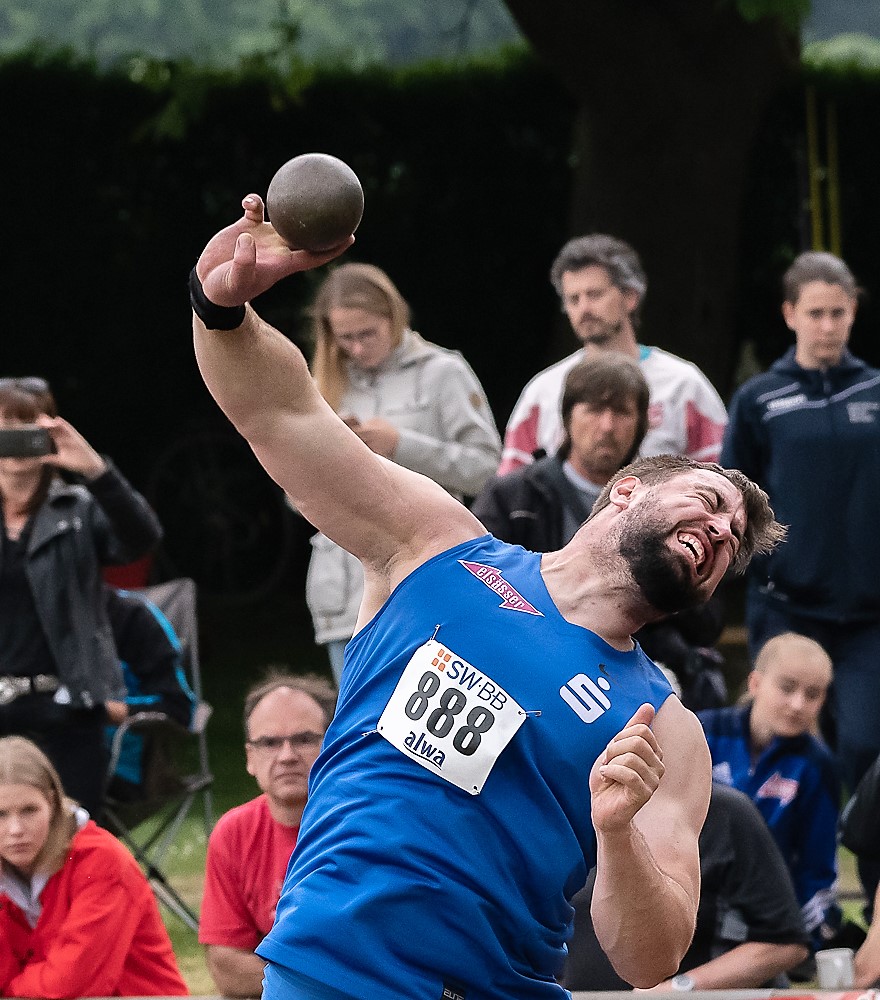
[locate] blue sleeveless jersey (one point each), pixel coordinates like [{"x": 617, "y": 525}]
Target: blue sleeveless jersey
[{"x": 427, "y": 868}]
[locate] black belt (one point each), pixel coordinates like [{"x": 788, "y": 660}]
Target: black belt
[{"x": 14, "y": 687}]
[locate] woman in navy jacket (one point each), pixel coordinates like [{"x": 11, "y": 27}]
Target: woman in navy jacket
[{"x": 808, "y": 432}]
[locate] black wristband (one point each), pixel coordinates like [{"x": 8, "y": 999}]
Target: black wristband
[{"x": 213, "y": 316}]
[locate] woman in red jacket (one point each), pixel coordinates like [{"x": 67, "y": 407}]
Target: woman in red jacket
[{"x": 77, "y": 917}]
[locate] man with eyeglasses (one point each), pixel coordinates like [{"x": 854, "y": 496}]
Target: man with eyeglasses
[{"x": 284, "y": 722}]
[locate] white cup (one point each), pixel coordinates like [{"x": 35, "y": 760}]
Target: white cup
[{"x": 835, "y": 968}]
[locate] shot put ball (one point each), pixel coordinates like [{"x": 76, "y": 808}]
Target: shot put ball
[{"x": 315, "y": 201}]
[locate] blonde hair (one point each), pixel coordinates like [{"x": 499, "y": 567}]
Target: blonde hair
[
  {"x": 23, "y": 763},
  {"x": 808, "y": 648},
  {"x": 351, "y": 286}
]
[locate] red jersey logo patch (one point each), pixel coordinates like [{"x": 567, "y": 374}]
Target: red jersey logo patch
[
  {"x": 777, "y": 787},
  {"x": 512, "y": 601}
]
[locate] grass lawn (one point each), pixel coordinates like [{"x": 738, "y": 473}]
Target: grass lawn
[{"x": 185, "y": 869}]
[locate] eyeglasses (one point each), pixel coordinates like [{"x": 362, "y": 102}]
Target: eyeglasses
[
  {"x": 299, "y": 741},
  {"x": 353, "y": 339},
  {"x": 30, "y": 383}
]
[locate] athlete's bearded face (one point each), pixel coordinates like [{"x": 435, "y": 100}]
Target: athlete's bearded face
[
  {"x": 661, "y": 575},
  {"x": 681, "y": 537}
]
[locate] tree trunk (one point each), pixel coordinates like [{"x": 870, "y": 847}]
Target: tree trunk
[{"x": 671, "y": 93}]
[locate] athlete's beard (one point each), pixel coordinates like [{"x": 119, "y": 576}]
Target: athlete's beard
[{"x": 662, "y": 579}]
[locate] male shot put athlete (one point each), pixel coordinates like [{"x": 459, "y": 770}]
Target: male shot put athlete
[{"x": 497, "y": 731}]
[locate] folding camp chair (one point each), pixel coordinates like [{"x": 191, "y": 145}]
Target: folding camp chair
[{"x": 172, "y": 770}]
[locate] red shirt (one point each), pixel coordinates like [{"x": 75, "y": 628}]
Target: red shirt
[
  {"x": 99, "y": 932},
  {"x": 247, "y": 859}
]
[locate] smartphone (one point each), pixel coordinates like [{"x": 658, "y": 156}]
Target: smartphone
[{"x": 26, "y": 441}]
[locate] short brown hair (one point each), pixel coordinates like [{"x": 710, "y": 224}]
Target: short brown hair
[
  {"x": 606, "y": 379},
  {"x": 315, "y": 686},
  {"x": 26, "y": 398},
  {"x": 817, "y": 265},
  {"x": 24, "y": 763},
  {"x": 763, "y": 532}
]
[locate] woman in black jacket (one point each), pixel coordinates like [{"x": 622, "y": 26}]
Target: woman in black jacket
[{"x": 59, "y": 664}]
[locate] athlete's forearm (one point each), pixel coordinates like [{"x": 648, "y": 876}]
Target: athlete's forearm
[
  {"x": 867, "y": 960},
  {"x": 643, "y": 918},
  {"x": 254, "y": 373}
]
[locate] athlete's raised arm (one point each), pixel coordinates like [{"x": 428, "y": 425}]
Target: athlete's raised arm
[{"x": 390, "y": 518}]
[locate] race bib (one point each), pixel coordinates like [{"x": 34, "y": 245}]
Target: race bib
[{"x": 449, "y": 717}]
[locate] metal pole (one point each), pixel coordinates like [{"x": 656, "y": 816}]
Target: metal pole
[
  {"x": 833, "y": 191},
  {"x": 813, "y": 171}
]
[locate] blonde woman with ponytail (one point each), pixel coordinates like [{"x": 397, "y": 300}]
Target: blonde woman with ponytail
[{"x": 417, "y": 404}]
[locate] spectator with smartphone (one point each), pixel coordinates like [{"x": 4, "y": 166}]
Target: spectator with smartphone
[
  {"x": 59, "y": 661},
  {"x": 408, "y": 400}
]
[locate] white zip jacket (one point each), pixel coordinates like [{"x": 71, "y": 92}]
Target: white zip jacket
[
  {"x": 447, "y": 432},
  {"x": 685, "y": 416}
]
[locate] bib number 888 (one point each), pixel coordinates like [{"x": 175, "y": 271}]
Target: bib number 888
[{"x": 439, "y": 723}]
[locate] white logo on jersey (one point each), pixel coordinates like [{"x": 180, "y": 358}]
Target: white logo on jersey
[
  {"x": 721, "y": 772},
  {"x": 787, "y": 402},
  {"x": 513, "y": 600},
  {"x": 586, "y": 696},
  {"x": 862, "y": 412}
]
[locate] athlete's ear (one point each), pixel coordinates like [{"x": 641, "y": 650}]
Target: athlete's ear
[{"x": 622, "y": 491}]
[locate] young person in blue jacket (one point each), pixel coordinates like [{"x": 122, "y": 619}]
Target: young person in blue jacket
[
  {"x": 768, "y": 750},
  {"x": 808, "y": 431}
]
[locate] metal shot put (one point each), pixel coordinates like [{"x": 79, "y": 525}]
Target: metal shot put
[{"x": 315, "y": 201}]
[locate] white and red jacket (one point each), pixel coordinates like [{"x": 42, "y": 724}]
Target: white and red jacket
[{"x": 686, "y": 414}]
